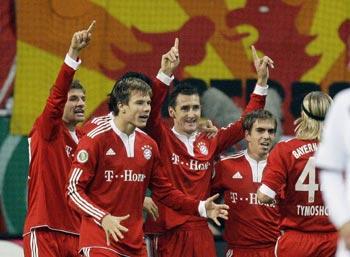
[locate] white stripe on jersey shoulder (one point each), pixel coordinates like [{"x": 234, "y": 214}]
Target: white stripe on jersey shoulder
[
  {"x": 140, "y": 130},
  {"x": 233, "y": 156},
  {"x": 100, "y": 129},
  {"x": 102, "y": 119}
]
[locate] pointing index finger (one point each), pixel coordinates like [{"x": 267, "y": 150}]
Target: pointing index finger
[
  {"x": 176, "y": 43},
  {"x": 91, "y": 27},
  {"x": 255, "y": 55}
]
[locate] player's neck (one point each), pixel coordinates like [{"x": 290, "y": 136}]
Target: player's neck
[
  {"x": 256, "y": 156},
  {"x": 183, "y": 133},
  {"x": 70, "y": 125},
  {"x": 123, "y": 125}
]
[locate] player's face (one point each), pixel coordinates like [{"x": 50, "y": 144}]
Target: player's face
[
  {"x": 186, "y": 114},
  {"x": 74, "y": 109},
  {"x": 138, "y": 109},
  {"x": 260, "y": 138}
]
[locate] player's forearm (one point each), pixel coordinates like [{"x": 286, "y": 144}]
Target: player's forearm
[
  {"x": 79, "y": 201},
  {"x": 58, "y": 94},
  {"x": 335, "y": 195}
]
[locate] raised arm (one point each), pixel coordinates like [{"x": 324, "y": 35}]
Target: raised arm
[
  {"x": 54, "y": 107},
  {"x": 234, "y": 132},
  {"x": 169, "y": 62}
]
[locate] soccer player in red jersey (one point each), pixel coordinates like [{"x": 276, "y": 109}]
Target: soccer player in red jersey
[
  {"x": 252, "y": 227},
  {"x": 51, "y": 227},
  {"x": 188, "y": 156},
  {"x": 114, "y": 165},
  {"x": 291, "y": 178}
]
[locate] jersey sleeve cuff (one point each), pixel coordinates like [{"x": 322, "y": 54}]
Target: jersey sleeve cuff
[
  {"x": 165, "y": 78},
  {"x": 267, "y": 191},
  {"x": 260, "y": 90},
  {"x": 201, "y": 209},
  {"x": 71, "y": 62}
]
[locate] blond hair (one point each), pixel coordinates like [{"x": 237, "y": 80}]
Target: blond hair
[{"x": 313, "y": 111}]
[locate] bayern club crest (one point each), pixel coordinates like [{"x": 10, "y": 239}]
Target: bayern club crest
[
  {"x": 147, "y": 151},
  {"x": 203, "y": 148}
]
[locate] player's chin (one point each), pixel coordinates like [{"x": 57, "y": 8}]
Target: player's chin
[
  {"x": 141, "y": 124},
  {"x": 79, "y": 117}
]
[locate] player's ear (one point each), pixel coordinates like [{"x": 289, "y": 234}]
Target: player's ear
[
  {"x": 171, "y": 112},
  {"x": 246, "y": 134},
  {"x": 121, "y": 107}
]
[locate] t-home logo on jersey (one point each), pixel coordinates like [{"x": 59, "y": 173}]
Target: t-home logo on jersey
[{"x": 127, "y": 176}]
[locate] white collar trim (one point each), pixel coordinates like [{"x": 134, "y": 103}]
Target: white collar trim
[
  {"x": 257, "y": 167},
  {"x": 128, "y": 141},
  {"x": 188, "y": 141}
]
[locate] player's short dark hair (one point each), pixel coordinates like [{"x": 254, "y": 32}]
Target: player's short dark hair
[
  {"x": 182, "y": 88},
  {"x": 77, "y": 85},
  {"x": 121, "y": 92},
  {"x": 138, "y": 75},
  {"x": 251, "y": 117}
]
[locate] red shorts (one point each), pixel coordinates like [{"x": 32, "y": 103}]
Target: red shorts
[
  {"x": 188, "y": 240},
  {"x": 102, "y": 252},
  {"x": 295, "y": 243},
  {"x": 251, "y": 252},
  {"x": 45, "y": 242}
]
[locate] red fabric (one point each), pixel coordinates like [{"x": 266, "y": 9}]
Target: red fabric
[
  {"x": 190, "y": 174},
  {"x": 190, "y": 240},
  {"x": 286, "y": 162},
  {"x": 295, "y": 243},
  {"x": 44, "y": 242},
  {"x": 51, "y": 153},
  {"x": 250, "y": 224},
  {"x": 7, "y": 48},
  {"x": 100, "y": 252},
  {"x": 247, "y": 252},
  {"x": 110, "y": 181}
]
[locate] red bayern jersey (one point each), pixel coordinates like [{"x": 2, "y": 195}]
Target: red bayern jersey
[
  {"x": 110, "y": 174},
  {"x": 189, "y": 161},
  {"x": 251, "y": 224},
  {"x": 51, "y": 148},
  {"x": 291, "y": 171}
]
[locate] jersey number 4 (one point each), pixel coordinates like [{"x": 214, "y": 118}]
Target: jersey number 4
[{"x": 311, "y": 187}]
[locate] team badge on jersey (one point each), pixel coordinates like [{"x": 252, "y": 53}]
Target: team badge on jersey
[
  {"x": 203, "y": 148},
  {"x": 82, "y": 156},
  {"x": 147, "y": 151}
]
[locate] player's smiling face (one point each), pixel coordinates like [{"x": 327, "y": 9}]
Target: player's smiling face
[
  {"x": 74, "y": 109},
  {"x": 138, "y": 109},
  {"x": 260, "y": 137},
  {"x": 186, "y": 113}
]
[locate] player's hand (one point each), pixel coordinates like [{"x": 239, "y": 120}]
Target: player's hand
[
  {"x": 262, "y": 67},
  {"x": 206, "y": 126},
  {"x": 151, "y": 208},
  {"x": 112, "y": 226},
  {"x": 344, "y": 232},
  {"x": 80, "y": 40},
  {"x": 215, "y": 211},
  {"x": 171, "y": 59}
]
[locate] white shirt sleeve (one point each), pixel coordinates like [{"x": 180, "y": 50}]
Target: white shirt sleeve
[
  {"x": 165, "y": 78},
  {"x": 267, "y": 191},
  {"x": 335, "y": 196},
  {"x": 201, "y": 209},
  {"x": 331, "y": 154},
  {"x": 72, "y": 63}
]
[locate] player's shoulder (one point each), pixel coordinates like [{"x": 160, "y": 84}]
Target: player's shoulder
[
  {"x": 99, "y": 131},
  {"x": 232, "y": 157},
  {"x": 145, "y": 137}
]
